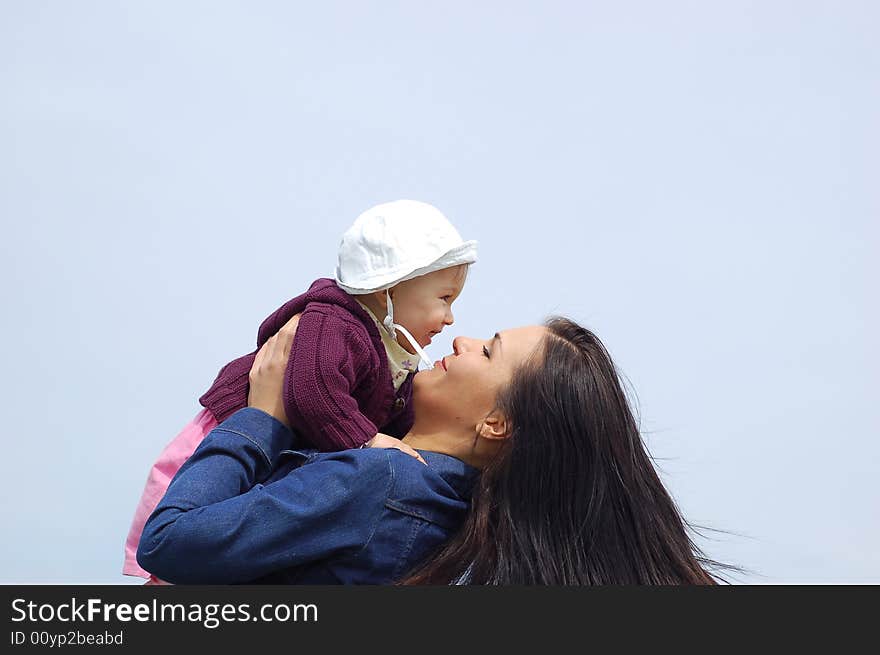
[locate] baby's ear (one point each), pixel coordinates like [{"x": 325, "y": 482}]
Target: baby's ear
[
  {"x": 494, "y": 426},
  {"x": 378, "y": 298},
  {"x": 391, "y": 292}
]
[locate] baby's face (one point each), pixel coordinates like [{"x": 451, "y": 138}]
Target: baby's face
[{"x": 423, "y": 305}]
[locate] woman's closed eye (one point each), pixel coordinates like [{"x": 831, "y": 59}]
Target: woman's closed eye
[{"x": 486, "y": 351}]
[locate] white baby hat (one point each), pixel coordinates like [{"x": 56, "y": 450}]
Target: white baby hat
[{"x": 397, "y": 241}]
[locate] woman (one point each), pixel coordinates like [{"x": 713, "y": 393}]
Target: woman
[
  {"x": 567, "y": 493},
  {"x": 572, "y": 497}
]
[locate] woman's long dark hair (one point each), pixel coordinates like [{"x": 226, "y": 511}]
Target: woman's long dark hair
[{"x": 573, "y": 497}]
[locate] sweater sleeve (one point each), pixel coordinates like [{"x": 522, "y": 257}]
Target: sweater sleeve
[{"x": 330, "y": 361}]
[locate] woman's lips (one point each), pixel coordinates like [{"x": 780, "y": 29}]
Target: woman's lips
[{"x": 442, "y": 363}]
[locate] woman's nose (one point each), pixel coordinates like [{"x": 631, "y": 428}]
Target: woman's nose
[{"x": 462, "y": 345}]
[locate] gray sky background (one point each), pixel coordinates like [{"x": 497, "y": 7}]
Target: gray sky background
[{"x": 697, "y": 182}]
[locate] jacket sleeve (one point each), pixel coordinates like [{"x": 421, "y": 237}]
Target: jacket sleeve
[
  {"x": 330, "y": 361},
  {"x": 218, "y": 524}
]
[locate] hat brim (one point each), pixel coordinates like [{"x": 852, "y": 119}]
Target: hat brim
[{"x": 466, "y": 253}]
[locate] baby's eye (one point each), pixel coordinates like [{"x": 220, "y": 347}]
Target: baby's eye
[
  {"x": 485, "y": 351},
  {"x": 445, "y": 298}
]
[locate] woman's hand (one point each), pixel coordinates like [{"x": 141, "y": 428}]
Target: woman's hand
[
  {"x": 387, "y": 441},
  {"x": 267, "y": 373}
]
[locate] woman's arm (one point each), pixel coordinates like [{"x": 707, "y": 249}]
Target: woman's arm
[{"x": 217, "y": 523}]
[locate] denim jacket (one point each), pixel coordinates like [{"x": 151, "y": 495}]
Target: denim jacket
[{"x": 248, "y": 507}]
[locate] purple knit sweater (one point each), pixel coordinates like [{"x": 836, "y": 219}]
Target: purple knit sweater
[{"x": 337, "y": 387}]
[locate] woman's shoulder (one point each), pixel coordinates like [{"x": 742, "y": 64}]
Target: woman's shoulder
[
  {"x": 438, "y": 491},
  {"x": 364, "y": 466},
  {"x": 402, "y": 473},
  {"x": 442, "y": 474}
]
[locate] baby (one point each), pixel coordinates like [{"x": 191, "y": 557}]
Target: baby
[{"x": 349, "y": 375}]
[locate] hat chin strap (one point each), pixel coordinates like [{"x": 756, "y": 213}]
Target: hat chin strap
[{"x": 392, "y": 328}]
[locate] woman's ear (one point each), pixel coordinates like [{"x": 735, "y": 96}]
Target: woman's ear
[{"x": 495, "y": 426}]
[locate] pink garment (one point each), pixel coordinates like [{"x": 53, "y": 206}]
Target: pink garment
[{"x": 169, "y": 462}]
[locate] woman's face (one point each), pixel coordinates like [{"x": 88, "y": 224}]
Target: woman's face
[{"x": 462, "y": 387}]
